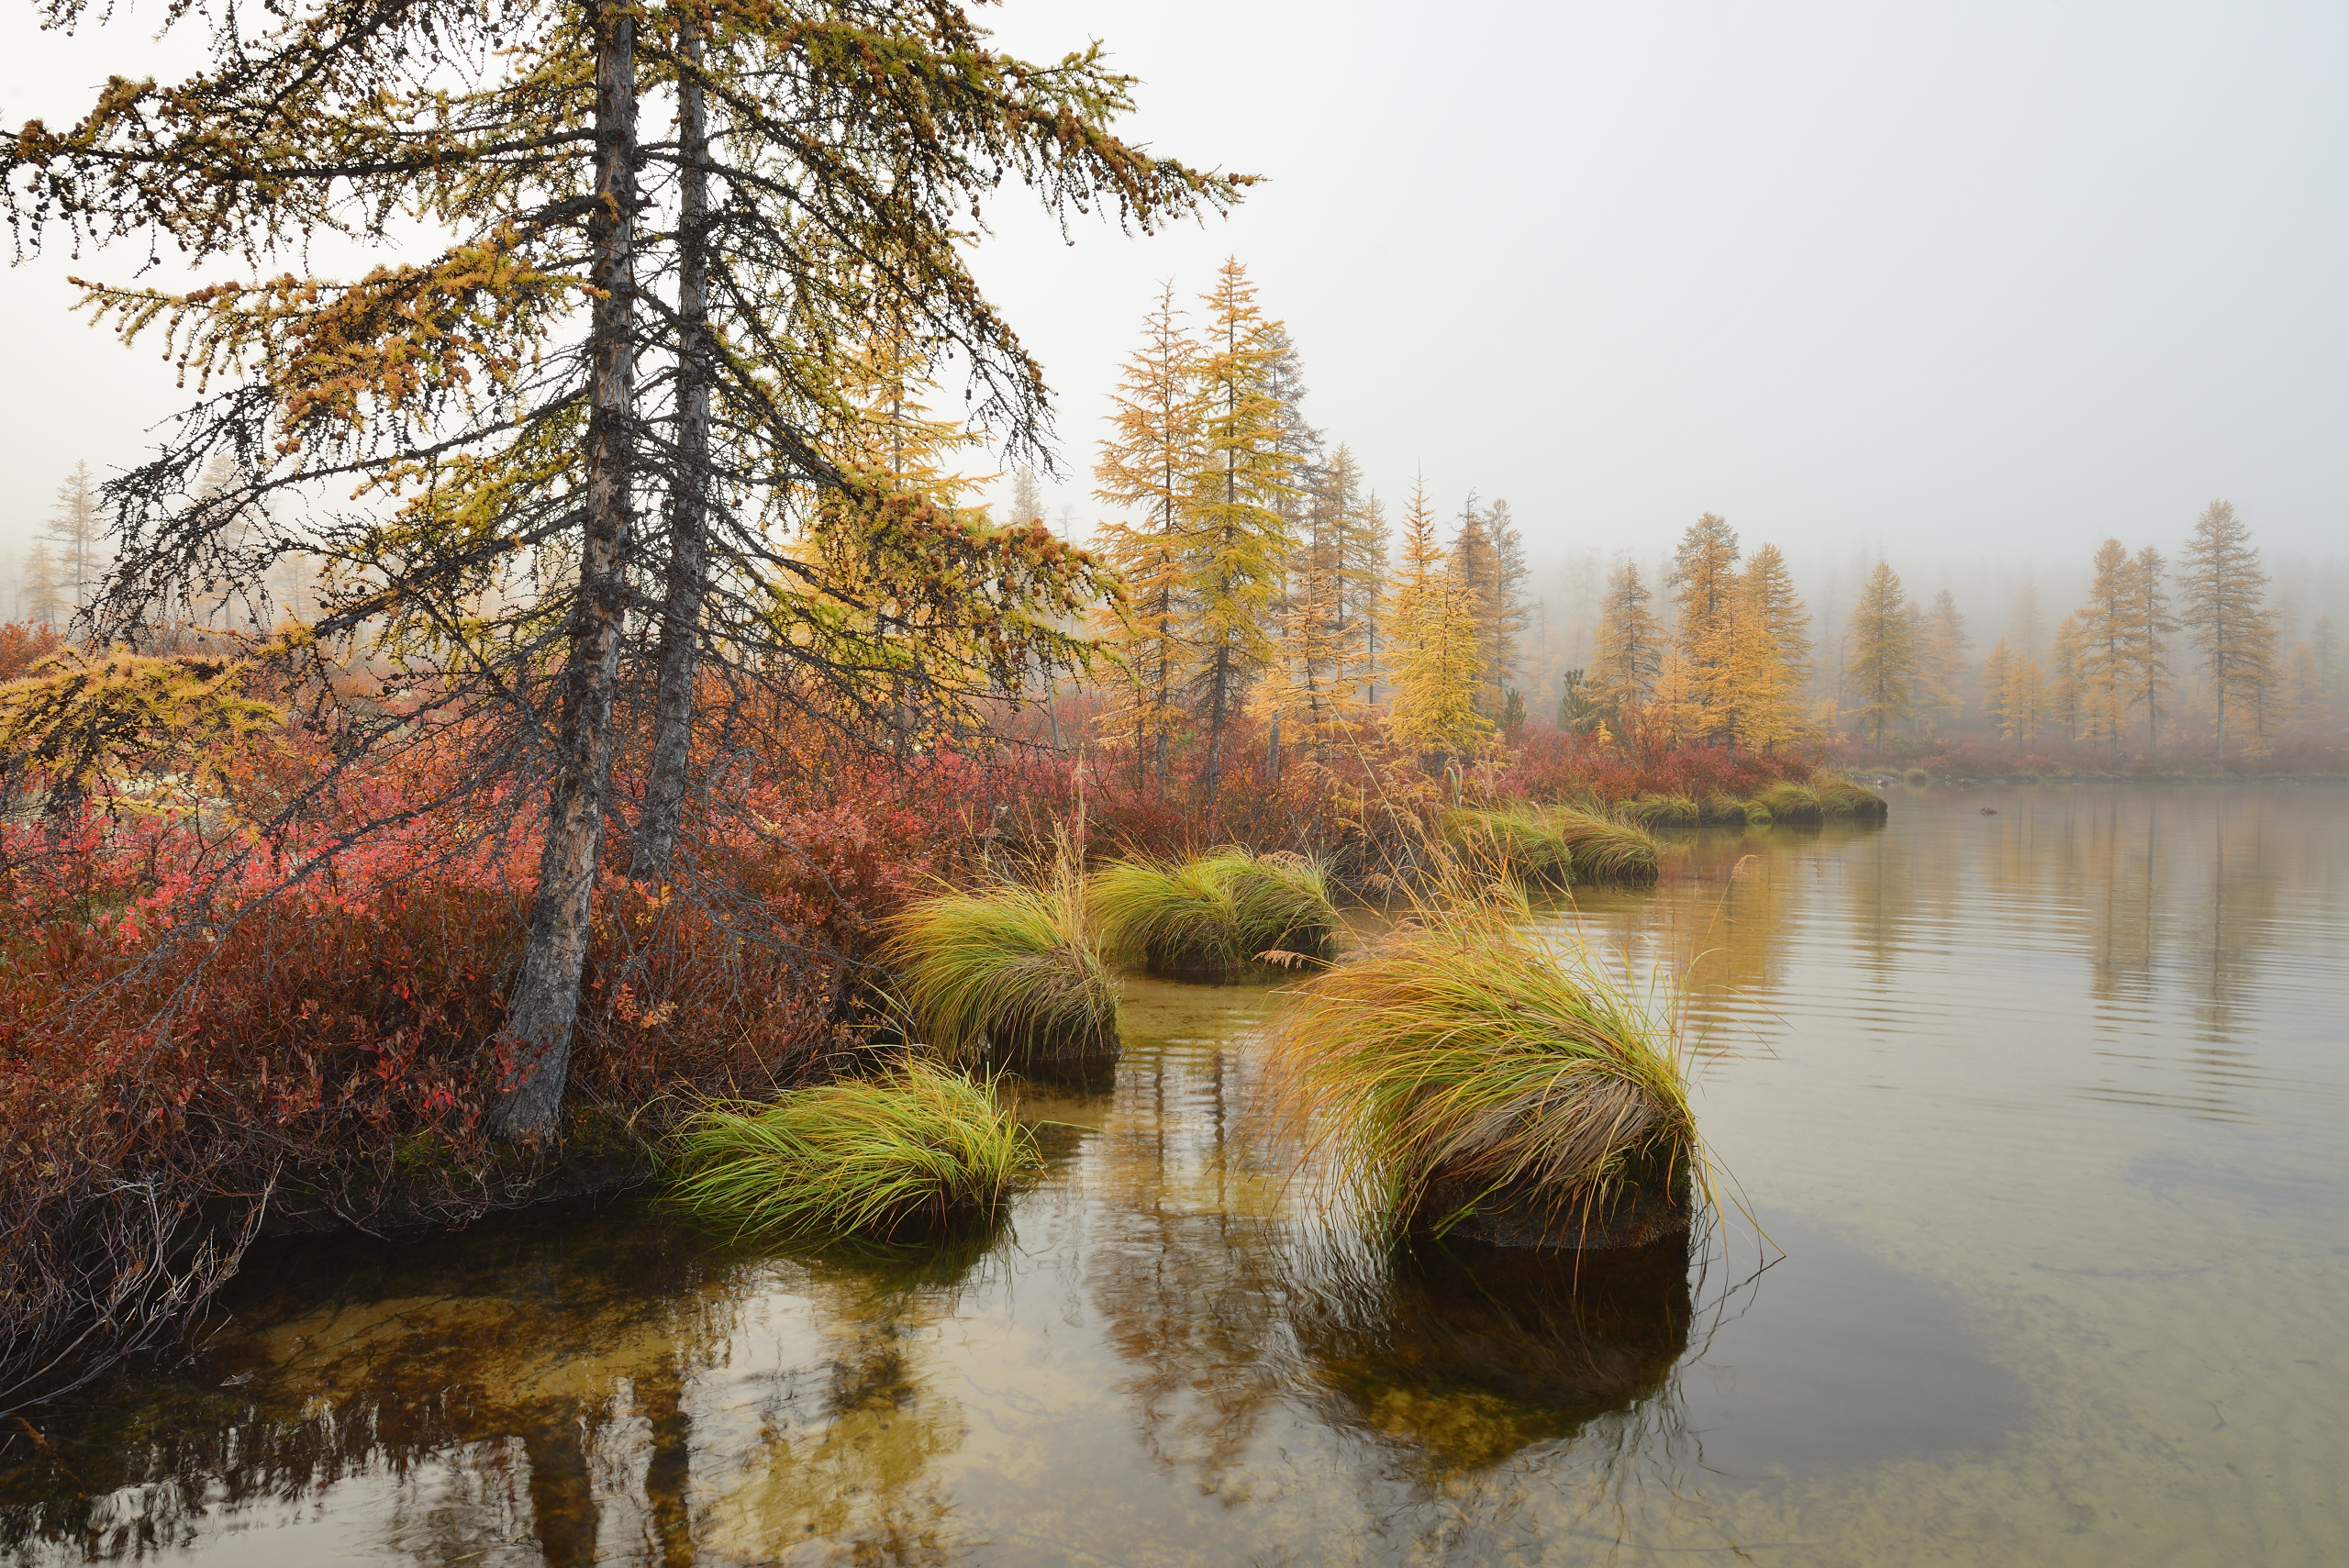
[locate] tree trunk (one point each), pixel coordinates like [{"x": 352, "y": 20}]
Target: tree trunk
[
  {"x": 546, "y": 997},
  {"x": 1218, "y": 700},
  {"x": 672, "y": 701}
]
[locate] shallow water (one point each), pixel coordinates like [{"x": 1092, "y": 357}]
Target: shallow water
[{"x": 2044, "y": 1108}]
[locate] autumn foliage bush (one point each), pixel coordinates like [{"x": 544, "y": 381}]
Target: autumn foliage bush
[
  {"x": 202, "y": 1028},
  {"x": 1553, "y": 766}
]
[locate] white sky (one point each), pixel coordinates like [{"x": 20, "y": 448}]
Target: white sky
[{"x": 1966, "y": 281}]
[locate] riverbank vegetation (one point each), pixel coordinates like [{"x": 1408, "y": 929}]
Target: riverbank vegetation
[
  {"x": 1468, "y": 1071},
  {"x": 1006, "y": 973},
  {"x": 1217, "y": 915},
  {"x": 918, "y": 1147},
  {"x": 453, "y": 844}
]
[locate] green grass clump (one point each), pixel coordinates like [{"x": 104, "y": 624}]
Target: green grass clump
[
  {"x": 919, "y": 1147},
  {"x": 1839, "y": 796},
  {"x": 1725, "y": 808},
  {"x": 1214, "y": 916},
  {"x": 1605, "y": 850},
  {"x": 1465, "y": 1055},
  {"x": 1787, "y": 801},
  {"x": 1517, "y": 843},
  {"x": 1005, "y": 972},
  {"x": 1664, "y": 810},
  {"x": 1917, "y": 776}
]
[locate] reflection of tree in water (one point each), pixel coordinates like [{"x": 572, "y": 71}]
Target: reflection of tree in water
[
  {"x": 1183, "y": 1266},
  {"x": 531, "y": 1378},
  {"x": 1458, "y": 1357},
  {"x": 846, "y": 1457}
]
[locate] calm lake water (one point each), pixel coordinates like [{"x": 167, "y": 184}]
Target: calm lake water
[{"x": 2044, "y": 1108}]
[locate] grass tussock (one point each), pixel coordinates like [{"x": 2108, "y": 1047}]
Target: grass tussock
[
  {"x": 1467, "y": 1063},
  {"x": 1216, "y": 917},
  {"x": 921, "y": 1147},
  {"x": 1605, "y": 850},
  {"x": 1008, "y": 972},
  {"x": 1519, "y": 843},
  {"x": 1826, "y": 799}
]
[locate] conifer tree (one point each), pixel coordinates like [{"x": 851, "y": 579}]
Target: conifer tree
[
  {"x": 1628, "y": 652},
  {"x": 1240, "y": 541},
  {"x": 37, "y": 598},
  {"x": 1770, "y": 654},
  {"x": 1504, "y": 637},
  {"x": 1026, "y": 495},
  {"x": 1940, "y": 664},
  {"x": 78, "y": 533},
  {"x": 1359, "y": 525},
  {"x": 1434, "y": 657},
  {"x": 2104, "y": 647},
  {"x": 2223, "y": 601},
  {"x": 1475, "y": 568},
  {"x": 1147, "y": 465},
  {"x": 1997, "y": 687},
  {"x": 2146, "y": 632},
  {"x": 1698, "y": 691},
  {"x": 2066, "y": 700},
  {"x": 1883, "y": 663},
  {"x": 1310, "y": 685},
  {"x": 498, "y": 380}
]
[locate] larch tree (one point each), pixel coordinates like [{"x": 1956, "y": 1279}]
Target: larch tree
[
  {"x": 1147, "y": 466},
  {"x": 1771, "y": 653},
  {"x": 2146, "y": 631},
  {"x": 1358, "y": 542},
  {"x": 76, "y": 528},
  {"x": 2222, "y": 603},
  {"x": 1626, "y": 654},
  {"x": 1881, "y": 670},
  {"x": 1239, "y": 540},
  {"x": 2067, "y": 652},
  {"x": 1997, "y": 687},
  {"x": 1704, "y": 585},
  {"x": 558, "y": 462},
  {"x": 39, "y": 597},
  {"x": 1027, "y": 495},
  {"x": 2104, "y": 647},
  {"x": 1475, "y": 568},
  {"x": 1504, "y": 636},
  {"x": 1434, "y": 639},
  {"x": 1941, "y": 643}
]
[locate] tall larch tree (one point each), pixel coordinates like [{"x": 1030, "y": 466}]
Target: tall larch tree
[
  {"x": 1476, "y": 570},
  {"x": 2104, "y": 648},
  {"x": 2147, "y": 631},
  {"x": 518, "y": 400},
  {"x": 1504, "y": 657},
  {"x": 2222, "y": 595},
  {"x": 1434, "y": 639},
  {"x": 1359, "y": 541},
  {"x": 1627, "y": 654},
  {"x": 1147, "y": 467},
  {"x": 1941, "y": 643},
  {"x": 1881, "y": 669},
  {"x": 1704, "y": 593},
  {"x": 1241, "y": 540},
  {"x": 1772, "y": 654},
  {"x": 77, "y": 532},
  {"x": 2067, "y": 651},
  {"x": 1997, "y": 687}
]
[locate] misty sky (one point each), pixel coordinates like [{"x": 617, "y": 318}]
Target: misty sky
[{"x": 1968, "y": 281}]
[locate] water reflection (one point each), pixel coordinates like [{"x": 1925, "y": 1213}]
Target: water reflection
[
  {"x": 1951, "y": 1053},
  {"x": 1460, "y": 1356}
]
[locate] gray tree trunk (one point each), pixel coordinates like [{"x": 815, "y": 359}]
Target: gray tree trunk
[
  {"x": 546, "y": 997},
  {"x": 678, "y": 657}
]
